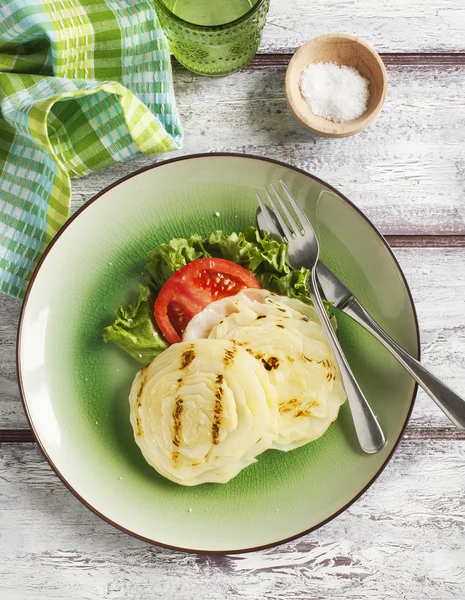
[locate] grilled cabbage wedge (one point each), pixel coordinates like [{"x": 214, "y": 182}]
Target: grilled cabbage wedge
[
  {"x": 202, "y": 411},
  {"x": 285, "y": 337}
]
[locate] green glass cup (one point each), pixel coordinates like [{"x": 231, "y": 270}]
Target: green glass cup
[{"x": 213, "y": 37}]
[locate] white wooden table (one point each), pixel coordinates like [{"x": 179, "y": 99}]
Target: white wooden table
[{"x": 405, "y": 538}]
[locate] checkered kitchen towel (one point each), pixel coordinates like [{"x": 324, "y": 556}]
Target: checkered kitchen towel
[{"x": 83, "y": 84}]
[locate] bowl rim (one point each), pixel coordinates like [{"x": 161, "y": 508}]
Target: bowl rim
[
  {"x": 42, "y": 448},
  {"x": 349, "y": 128}
]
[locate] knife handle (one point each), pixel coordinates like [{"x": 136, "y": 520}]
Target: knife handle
[{"x": 447, "y": 400}]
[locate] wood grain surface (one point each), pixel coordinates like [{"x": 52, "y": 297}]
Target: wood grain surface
[
  {"x": 389, "y": 26},
  {"x": 405, "y": 538},
  {"x": 410, "y": 159}
]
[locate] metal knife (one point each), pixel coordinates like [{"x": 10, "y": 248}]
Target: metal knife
[{"x": 342, "y": 298}]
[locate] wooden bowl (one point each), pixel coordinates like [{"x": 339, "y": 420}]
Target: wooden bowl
[{"x": 341, "y": 49}]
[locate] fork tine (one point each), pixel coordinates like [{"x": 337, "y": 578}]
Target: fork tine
[
  {"x": 296, "y": 206},
  {"x": 269, "y": 222},
  {"x": 287, "y": 232},
  {"x": 286, "y": 211}
]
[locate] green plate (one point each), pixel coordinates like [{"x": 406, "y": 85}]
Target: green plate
[{"x": 75, "y": 388}]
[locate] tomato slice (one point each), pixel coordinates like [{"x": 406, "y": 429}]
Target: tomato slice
[{"x": 192, "y": 288}]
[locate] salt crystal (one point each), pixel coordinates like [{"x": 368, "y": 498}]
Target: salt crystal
[
  {"x": 337, "y": 93},
  {"x": 217, "y": 214}
]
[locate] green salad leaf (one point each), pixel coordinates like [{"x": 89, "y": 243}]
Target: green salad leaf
[
  {"x": 166, "y": 259},
  {"x": 263, "y": 256},
  {"x": 249, "y": 250},
  {"x": 293, "y": 284},
  {"x": 134, "y": 330}
]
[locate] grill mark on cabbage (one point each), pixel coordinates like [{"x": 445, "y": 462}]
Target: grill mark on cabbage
[
  {"x": 229, "y": 356},
  {"x": 187, "y": 356},
  {"x": 302, "y": 413},
  {"x": 256, "y": 355},
  {"x": 178, "y": 410},
  {"x": 326, "y": 363},
  {"x": 260, "y": 317},
  {"x": 288, "y": 405},
  {"x": 294, "y": 404},
  {"x": 279, "y": 325},
  {"x": 330, "y": 369},
  {"x": 276, "y": 304},
  {"x": 306, "y": 319},
  {"x": 271, "y": 363},
  {"x": 217, "y": 414},
  {"x": 143, "y": 381}
]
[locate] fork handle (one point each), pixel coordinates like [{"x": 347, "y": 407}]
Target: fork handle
[
  {"x": 369, "y": 433},
  {"x": 447, "y": 400}
]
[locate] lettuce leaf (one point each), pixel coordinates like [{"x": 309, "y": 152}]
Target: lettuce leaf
[
  {"x": 249, "y": 250},
  {"x": 293, "y": 284},
  {"x": 263, "y": 256},
  {"x": 134, "y": 330},
  {"x": 166, "y": 259}
]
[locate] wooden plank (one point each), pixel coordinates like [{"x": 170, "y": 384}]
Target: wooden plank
[
  {"x": 17, "y": 435},
  {"x": 418, "y": 59},
  {"x": 436, "y": 277},
  {"x": 11, "y": 410},
  {"x": 409, "y": 163},
  {"x": 430, "y": 273},
  {"x": 415, "y": 59},
  {"x": 404, "y": 538},
  {"x": 438, "y": 433},
  {"x": 390, "y": 26},
  {"x": 426, "y": 241}
]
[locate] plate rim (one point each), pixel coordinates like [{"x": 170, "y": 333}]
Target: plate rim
[{"x": 41, "y": 446}]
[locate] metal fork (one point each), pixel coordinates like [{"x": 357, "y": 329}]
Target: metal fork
[{"x": 303, "y": 250}]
